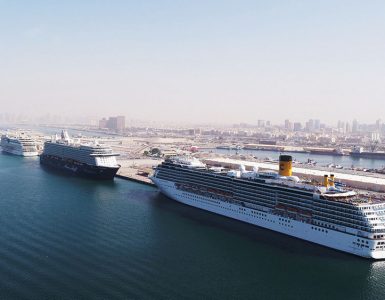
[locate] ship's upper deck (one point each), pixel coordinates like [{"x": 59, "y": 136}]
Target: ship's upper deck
[
  {"x": 358, "y": 197},
  {"x": 91, "y": 149},
  {"x": 19, "y": 139}
]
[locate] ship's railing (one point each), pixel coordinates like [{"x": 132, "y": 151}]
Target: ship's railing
[{"x": 372, "y": 199}]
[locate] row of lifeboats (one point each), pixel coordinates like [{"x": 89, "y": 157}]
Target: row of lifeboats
[
  {"x": 291, "y": 209},
  {"x": 203, "y": 190}
]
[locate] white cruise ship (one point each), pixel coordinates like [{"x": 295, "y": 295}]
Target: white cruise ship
[
  {"x": 348, "y": 220},
  {"x": 92, "y": 160},
  {"x": 19, "y": 144}
]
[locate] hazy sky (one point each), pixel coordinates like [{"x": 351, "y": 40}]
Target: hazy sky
[{"x": 225, "y": 61}]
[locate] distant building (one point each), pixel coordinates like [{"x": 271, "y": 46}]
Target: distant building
[
  {"x": 375, "y": 137},
  {"x": 348, "y": 128},
  {"x": 267, "y": 142},
  {"x": 297, "y": 126},
  {"x": 120, "y": 123},
  {"x": 355, "y": 126},
  {"x": 261, "y": 123},
  {"x": 326, "y": 139},
  {"x": 354, "y": 140},
  {"x": 288, "y": 125},
  {"x": 317, "y": 124},
  {"x": 341, "y": 126},
  {"x": 113, "y": 123},
  {"x": 309, "y": 125},
  {"x": 103, "y": 123}
]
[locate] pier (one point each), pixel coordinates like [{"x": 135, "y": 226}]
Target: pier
[{"x": 137, "y": 170}]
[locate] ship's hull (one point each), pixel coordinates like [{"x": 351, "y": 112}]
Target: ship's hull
[
  {"x": 19, "y": 152},
  {"x": 326, "y": 237},
  {"x": 371, "y": 155},
  {"x": 333, "y": 153},
  {"x": 77, "y": 168}
]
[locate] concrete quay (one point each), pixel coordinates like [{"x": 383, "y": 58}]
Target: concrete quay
[
  {"x": 137, "y": 170},
  {"x": 136, "y": 178}
]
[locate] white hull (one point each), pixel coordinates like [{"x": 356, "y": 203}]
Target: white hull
[
  {"x": 326, "y": 237},
  {"x": 20, "y": 152}
]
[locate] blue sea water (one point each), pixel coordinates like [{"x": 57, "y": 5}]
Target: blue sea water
[{"x": 72, "y": 238}]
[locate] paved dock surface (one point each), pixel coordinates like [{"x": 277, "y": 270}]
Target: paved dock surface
[{"x": 135, "y": 169}]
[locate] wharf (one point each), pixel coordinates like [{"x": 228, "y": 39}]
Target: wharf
[
  {"x": 137, "y": 170},
  {"x": 136, "y": 178}
]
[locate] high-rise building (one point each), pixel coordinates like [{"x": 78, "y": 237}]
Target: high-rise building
[
  {"x": 287, "y": 124},
  {"x": 310, "y": 125},
  {"x": 317, "y": 124},
  {"x": 261, "y": 123},
  {"x": 348, "y": 129},
  {"x": 355, "y": 126},
  {"x": 103, "y": 123},
  {"x": 341, "y": 126},
  {"x": 114, "y": 123},
  {"x": 297, "y": 126},
  {"x": 120, "y": 123}
]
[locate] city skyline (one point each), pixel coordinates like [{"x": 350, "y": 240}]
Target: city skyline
[
  {"x": 120, "y": 123},
  {"x": 217, "y": 61}
]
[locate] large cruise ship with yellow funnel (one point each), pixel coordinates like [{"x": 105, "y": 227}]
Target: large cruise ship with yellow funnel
[{"x": 338, "y": 217}]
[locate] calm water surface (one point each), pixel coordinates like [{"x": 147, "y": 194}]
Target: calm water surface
[
  {"x": 71, "y": 238},
  {"x": 322, "y": 160}
]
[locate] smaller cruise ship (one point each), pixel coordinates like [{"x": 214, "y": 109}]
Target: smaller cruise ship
[
  {"x": 91, "y": 160},
  {"x": 19, "y": 144}
]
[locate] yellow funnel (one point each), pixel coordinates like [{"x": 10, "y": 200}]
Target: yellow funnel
[
  {"x": 285, "y": 165},
  {"x": 326, "y": 180},
  {"x": 331, "y": 181}
]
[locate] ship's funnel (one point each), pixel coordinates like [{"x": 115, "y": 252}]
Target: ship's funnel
[
  {"x": 326, "y": 180},
  {"x": 65, "y": 136},
  {"x": 331, "y": 180},
  {"x": 285, "y": 165}
]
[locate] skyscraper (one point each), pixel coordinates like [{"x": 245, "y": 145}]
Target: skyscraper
[
  {"x": 310, "y": 125},
  {"x": 288, "y": 125},
  {"x": 114, "y": 123},
  {"x": 348, "y": 129},
  {"x": 297, "y": 126},
  {"x": 261, "y": 123},
  {"x": 355, "y": 126},
  {"x": 317, "y": 124}
]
